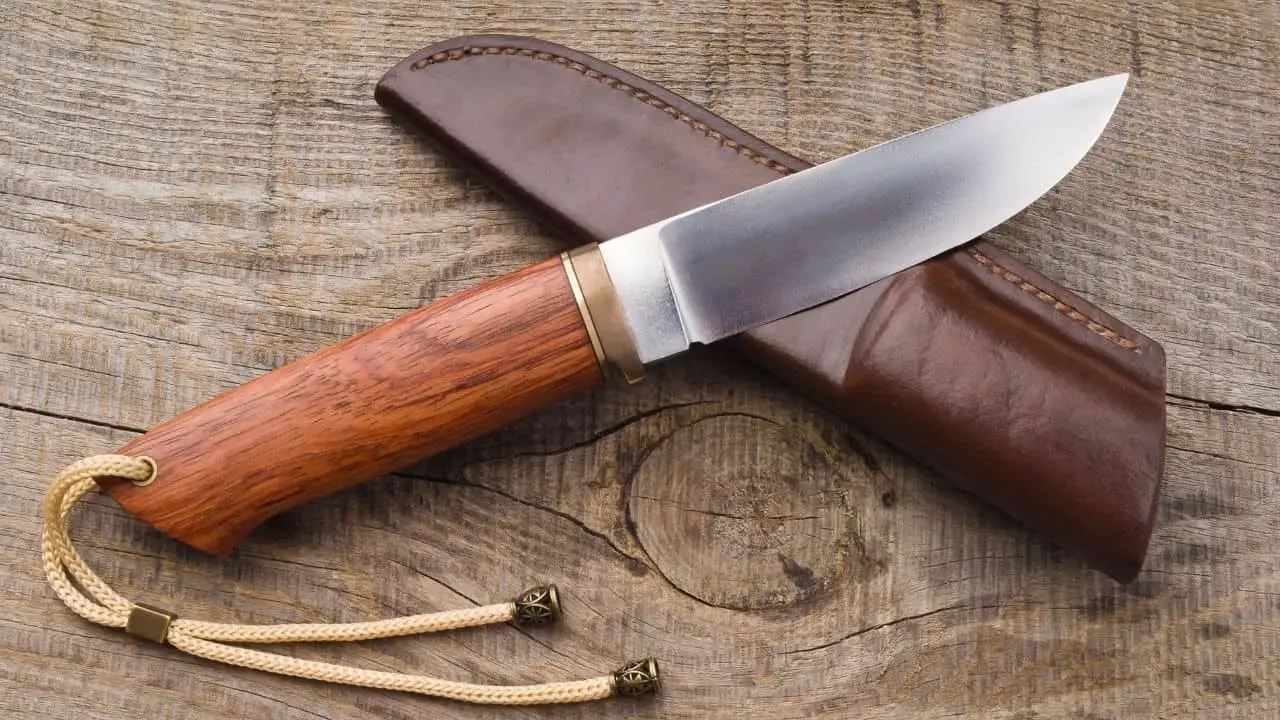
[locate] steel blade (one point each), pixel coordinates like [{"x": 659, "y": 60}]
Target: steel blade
[{"x": 802, "y": 240}]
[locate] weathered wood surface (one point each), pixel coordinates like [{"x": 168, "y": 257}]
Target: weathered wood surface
[{"x": 192, "y": 194}]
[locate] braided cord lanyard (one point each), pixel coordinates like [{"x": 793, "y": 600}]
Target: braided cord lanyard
[{"x": 104, "y": 606}]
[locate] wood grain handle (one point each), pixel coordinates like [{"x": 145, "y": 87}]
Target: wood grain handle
[{"x": 424, "y": 382}]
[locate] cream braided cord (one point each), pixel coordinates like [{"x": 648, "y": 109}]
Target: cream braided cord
[{"x": 104, "y": 606}]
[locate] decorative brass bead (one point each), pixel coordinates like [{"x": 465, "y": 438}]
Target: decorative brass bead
[
  {"x": 538, "y": 606},
  {"x": 638, "y": 678}
]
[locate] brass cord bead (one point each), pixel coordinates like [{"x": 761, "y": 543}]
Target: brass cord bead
[
  {"x": 537, "y": 606},
  {"x": 638, "y": 678}
]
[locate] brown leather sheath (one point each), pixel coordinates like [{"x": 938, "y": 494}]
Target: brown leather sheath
[{"x": 990, "y": 373}]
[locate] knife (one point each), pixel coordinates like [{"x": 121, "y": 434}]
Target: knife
[{"x": 460, "y": 367}]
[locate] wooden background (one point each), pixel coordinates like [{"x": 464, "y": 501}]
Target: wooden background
[{"x": 194, "y": 193}]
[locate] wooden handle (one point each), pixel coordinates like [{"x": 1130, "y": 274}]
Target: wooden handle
[{"x": 415, "y": 386}]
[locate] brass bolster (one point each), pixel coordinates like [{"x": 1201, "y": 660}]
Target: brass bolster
[{"x": 602, "y": 313}]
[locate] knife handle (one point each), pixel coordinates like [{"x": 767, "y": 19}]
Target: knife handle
[{"x": 419, "y": 384}]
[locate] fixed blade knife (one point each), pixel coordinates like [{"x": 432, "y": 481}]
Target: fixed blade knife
[{"x": 465, "y": 365}]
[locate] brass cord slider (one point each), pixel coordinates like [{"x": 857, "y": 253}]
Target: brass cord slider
[{"x": 149, "y": 623}]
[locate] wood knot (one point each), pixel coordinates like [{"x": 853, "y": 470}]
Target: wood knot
[{"x": 745, "y": 513}]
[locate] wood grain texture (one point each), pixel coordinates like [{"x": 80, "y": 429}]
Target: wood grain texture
[
  {"x": 193, "y": 194},
  {"x": 422, "y": 383}
]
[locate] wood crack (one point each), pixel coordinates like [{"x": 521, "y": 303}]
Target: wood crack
[
  {"x": 97, "y": 327},
  {"x": 1220, "y": 456},
  {"x": 69, "y": 366},
  {"x": 600, "y": 434},
  {"x": 1202, "y": 452},
  {"x": 543, "y": 643},
  {"x": 445, "y": 585},
  {"x": 731, "y": 516},
  {"x": 73, "y": 418},
  {"x": 529, "y": 503},
  {"x": 287, "y": 561},
  {"x": 871, "y": 628},
  {"x": 1228, "y": 407}
]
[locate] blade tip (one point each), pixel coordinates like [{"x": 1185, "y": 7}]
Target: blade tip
[
  {"x": 1121, "y": 79},
  {"x": 1111, "y": 87},
  {"x": 1118, "y": 81}
]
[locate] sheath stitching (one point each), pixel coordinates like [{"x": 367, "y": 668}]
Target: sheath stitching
[
  {"x": 612, "y": 82},
  {"x": 1055, "y": 303},
  {"x": 457, "y": 54}
]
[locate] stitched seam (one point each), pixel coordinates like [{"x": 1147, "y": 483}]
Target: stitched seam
[
  {"x": 614, "y": 83},
  {"x": 644, "y": 97},
  {"x": 1055, "y": 303}
]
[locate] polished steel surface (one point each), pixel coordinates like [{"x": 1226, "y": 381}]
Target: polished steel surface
[
  {"x": 634, "y": 262},
  {"x": 780, "y": 248}
]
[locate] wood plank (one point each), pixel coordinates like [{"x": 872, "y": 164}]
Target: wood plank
[{"x": 192, "y": 194}]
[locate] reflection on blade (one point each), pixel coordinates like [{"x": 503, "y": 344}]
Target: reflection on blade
[{"x": 811, "y": 237}]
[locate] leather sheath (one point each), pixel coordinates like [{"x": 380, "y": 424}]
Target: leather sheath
[{"x": 986, "y": 371}]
